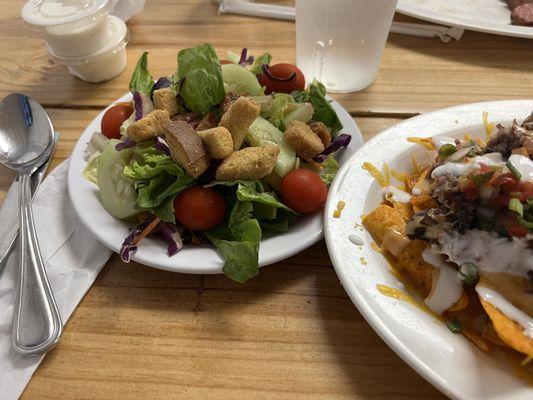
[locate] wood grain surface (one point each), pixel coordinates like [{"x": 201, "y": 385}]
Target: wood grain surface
[{"x": 291, "y": 333}]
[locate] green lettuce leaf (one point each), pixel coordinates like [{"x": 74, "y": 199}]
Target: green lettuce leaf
[
  {"x": 202, "y": 87},
  {"x": 330, "y": 167},
  {"x": 280, "y": 105},
  {"x": 237, "y": 239},
  {"x": 141, "y": 80},
  {"x": 251, "y": 192},
  {"x": 323, "y": 111},
  {"x": 256, "y": 67}
]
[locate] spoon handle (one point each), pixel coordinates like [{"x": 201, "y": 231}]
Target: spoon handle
[{"x": 37, "y": 323}]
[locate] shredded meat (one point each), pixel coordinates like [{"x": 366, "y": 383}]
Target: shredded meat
[
  {"x": 453, "y": 207},
  {"x": 507, "y": 139}
]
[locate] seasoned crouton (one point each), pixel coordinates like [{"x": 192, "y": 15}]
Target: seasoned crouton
[
  {"x": 218, "y": 142},
  {"x": 186, "y": 148},
  {"x": 249, "y": 163},
  {"x": 149, "y": 127},
  {"x": 322, "y": 132},
  {"x": 240, "y": 115},
  {"x": 165, "y": 99},
  {"x": 303, "y": 140}
]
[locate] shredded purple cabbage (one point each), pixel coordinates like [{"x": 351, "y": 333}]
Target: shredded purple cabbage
[
  {"x": 161, "y": 145},
  {"x": 128, "y": 247},
  {"x": 138, "y": 103},
  {"x": 244, "y": 60},
  {"x": 170, "y": 233},
  {"x": 125, "y": 144},
  {"x": 341, "y": 141},
  {"x": 161, "y": 83}
]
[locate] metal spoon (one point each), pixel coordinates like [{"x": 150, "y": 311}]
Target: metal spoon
[{"x": 26, "y": 141}]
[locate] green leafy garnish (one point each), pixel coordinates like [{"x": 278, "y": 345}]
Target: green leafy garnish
[
  {"x": 513, "y": 170},
  {"x": 454, "y": 326},
  {"x": 202, "y": 86},
  {"x": 469, "y": 273},
  {"x": 141, "y": 80},
  {"x": 516, "y": 206},
  {"x": 330, "y": 167},
  {"x": 447, "y": 150}
]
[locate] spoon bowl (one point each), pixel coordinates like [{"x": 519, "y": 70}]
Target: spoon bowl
[
  {"x": 26, "y": 141},
  {"x": 26, "y": 133}
]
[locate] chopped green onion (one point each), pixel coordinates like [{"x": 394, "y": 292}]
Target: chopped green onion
[
  {"x": 515, "y": 172},
  {"x": 469, "y": 273},
  {"x": 527, "y": 224},
  {"x": 516, "y": 206},
  {"x": 481, "y": 179},
  {"x": 447, "y": 150},
  {"x": 454, "y": 326}
]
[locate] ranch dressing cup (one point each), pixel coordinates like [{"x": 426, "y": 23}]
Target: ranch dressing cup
[
  {"x": 105, "y": 63},
  {"x": 71, "y": 28}
]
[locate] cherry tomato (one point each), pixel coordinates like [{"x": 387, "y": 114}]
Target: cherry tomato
[
  {"x": 303, "y": 190},
  {"x": 113, "y": 119},
  {"x": 282, "y": 71},
  {"x": 222, "y": 62},
  {"x": 514, "y": 227},
  {"x": 199, "y": 208}
]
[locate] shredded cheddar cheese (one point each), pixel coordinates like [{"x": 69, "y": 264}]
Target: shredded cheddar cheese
[
  {"x": 400, "y": 176},
  {"x": 340, "y": 206},
  {"x": 375, "y": 247},
  {"x": 363, "y": 261},
  {"x": 426, "y": 142},
  {"x": 489, "y": 126},
  {"x": 386, "y": 173},
  {"x": 376, "y": 174},
  {"x": 468, "y": 136},
  {"x": 416, "y": 166}
]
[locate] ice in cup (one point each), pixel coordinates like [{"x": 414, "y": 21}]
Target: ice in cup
[{"x": 340, "y": 42}]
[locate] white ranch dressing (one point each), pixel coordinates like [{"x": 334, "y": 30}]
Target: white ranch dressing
[
  {"x": 523, "y": 165},
  {"x": 439, "y": 141},
  {"x": 487, "y": 251},
  {"x": 461, "y": 168},
  {"x": 447, "y": 288},
  {"x": 393, "y": 194},
  {"x": 501, "y": 303}
]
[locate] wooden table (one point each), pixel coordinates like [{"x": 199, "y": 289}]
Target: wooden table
[{"x": 290, "y": 333}]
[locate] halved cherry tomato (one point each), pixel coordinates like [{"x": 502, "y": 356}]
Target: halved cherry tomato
[
  {"x": 113, "y": 119},
  {"x": 303, "y": 190},
  {"x": 199, "y": 208},
  {"x": 514, "y": 227},
  {"x": 284, "y": 84}
]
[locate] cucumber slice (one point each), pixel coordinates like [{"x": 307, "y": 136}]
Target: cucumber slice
[
  {"x": 298, "y": 112},
  {"x": 240, "y": 81},
  {"x": 117, "y": 192},
  {"x": 263, "y": 133}
]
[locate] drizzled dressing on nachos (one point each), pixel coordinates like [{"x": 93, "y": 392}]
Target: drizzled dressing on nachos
[{"x": 462, "y": 229}]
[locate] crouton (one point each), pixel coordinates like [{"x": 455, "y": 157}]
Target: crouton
[
  {"x": 249, "y": 163},
  {"x": 218, "y": 142},
  {"x": 165, "y": 99},
  {"x": 240, "y": 115},
  {"x": 186, "y": 148},
  {"x": 303, "y": 140},
  {"x": 149, "y": 127},
  {"x": 322, "y": 132}
]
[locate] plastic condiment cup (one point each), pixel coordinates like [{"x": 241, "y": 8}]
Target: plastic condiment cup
[
  {"x": 104, "y": 64},
  {"x": 71, "y": 28}
]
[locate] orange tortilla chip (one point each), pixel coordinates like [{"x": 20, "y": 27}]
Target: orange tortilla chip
[
  {"x": 509, "y": 331},
  {"x": 381, "y": 220},
  {"x": 404, "y": 209},
  {"x": 411, "y": 261}
]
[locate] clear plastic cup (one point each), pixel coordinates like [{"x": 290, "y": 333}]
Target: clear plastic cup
[
  {"x": 340, "y": 42},
  {"x": 104, "y": 64},
  {"x": 71, "y": 28}
]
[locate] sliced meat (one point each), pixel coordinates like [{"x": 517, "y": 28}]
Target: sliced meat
[
  {"x": 186, "y": 148},
  {"x": 512, "y": 4},
  {"x": 522, "y": 15}
]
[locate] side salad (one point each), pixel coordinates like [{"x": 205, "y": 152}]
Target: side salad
[{"x": 222, "y": 152}]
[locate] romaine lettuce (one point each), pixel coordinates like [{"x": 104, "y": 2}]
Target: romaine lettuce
[
  {"x": 200, "y": 72},
  {"x": 141, "y": 80},
  {"x": 256, "y": 67}
]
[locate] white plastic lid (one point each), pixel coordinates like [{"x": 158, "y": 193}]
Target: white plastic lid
[
  {"x": 120, "y": 37},
  {"x": 59, "y": 15}
]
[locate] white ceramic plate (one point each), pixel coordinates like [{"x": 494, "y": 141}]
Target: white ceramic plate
[
  {"x": 191, "y": 259},
  {"x": 490, "y": 16},
  {"x": 448, "y": 361}
]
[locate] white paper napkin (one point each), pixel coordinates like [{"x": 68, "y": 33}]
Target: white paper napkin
[{"x": 73, "y": 259}]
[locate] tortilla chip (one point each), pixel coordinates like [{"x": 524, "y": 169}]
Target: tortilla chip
[
  {"x": 460, "y": 305},
  {"x": 411, "y": 260},
  {"x": 476, "y": 338},
  {"x": 404, "y": 209},
  {"x": 383, "y": 219},
  {"x": 509, "y": 331}
]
